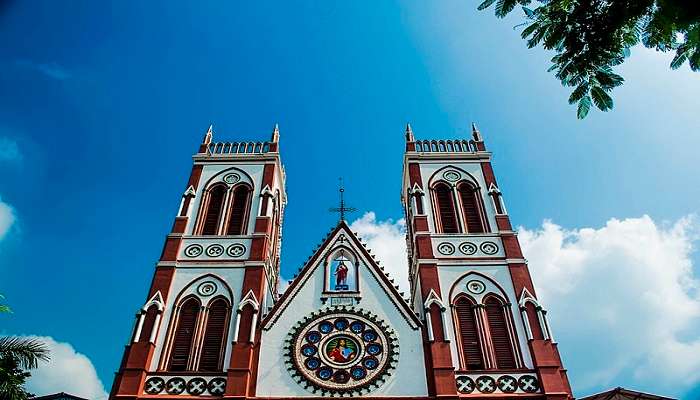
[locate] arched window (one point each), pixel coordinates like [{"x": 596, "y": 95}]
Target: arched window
[
  {"x": 499, "y": 332},
  {"x": 446, "y": 208},
  {"x": 468, "y": 334},
  {"x": 214, "y": 336},
  {"x": 470, "y": 206},
  {"x": 184, "y": 333},
  {"x": 148, "y": 322},
  {"x": 214, "y": 206},
  {"x": 236, "y": 220}
]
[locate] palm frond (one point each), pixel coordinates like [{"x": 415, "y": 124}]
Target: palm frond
[
  {"x": 27, "y": 351},
  {"x": 584, "y": 105}
]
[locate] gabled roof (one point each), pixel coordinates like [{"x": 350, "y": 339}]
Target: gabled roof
[
  {"x": 623, "y": 394},
  {"x": 59, "y": 396},
  {"x": 312, "y": 263}
]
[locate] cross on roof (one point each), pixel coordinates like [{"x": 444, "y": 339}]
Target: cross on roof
[{"x": 342, "y": 209}]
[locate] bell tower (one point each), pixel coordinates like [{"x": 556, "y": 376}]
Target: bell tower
[
  {"x": 485, "y": 331},
  {"x": 197, "y": 332}
]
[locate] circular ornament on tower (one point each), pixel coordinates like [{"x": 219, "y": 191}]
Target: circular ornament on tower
[
  {"x": 451, "y": 175},
  {"x": 476, "y": 287},
  {"x": 235, "y": 250},
  {"x": 489, "y": 248},
  {"x": 215, "y": 250},
  {"x": 194, "y": 250},
  {"x": 468, "y": 248},
  {"x": 232, "y": 178},
  {"x": 206, "y": 288},
  {"x": 341, "y": 351},
  {"x": 446, "y": 248}
]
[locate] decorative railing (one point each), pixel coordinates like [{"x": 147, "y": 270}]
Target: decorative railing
[
  {"x": 185, "y": 385},
  {"x": 480, "y": 383},
  {"x": 225, "y": 148},
  {"x": 445, "y": 146}
]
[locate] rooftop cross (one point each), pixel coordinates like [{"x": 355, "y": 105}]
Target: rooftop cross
[{"x": 342, "y": 209}]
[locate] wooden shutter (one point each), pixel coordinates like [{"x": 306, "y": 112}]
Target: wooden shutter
[
  {"x": 468, "y": 334},
  {"x": 471, "y": 209},
  {"x": 213, "y": 213},
  {"x": 149, "y": 320},
  {"x": 499, "y": 334},
  {"x": 446, "y": 209},
  {"x": 212, "y": 346},
  {"x": 182, "y": 340},
  {"x": 240, "y": 204}
]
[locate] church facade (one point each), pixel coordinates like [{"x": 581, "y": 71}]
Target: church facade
[{"x": 214, "y": 326}]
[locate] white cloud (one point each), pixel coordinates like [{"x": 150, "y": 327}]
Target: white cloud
[
  {"x": 7, "y": 218},
  {"x": 51, "y": 69},
  {"x": 68, "y": 371},
  {"x": 623, "y": 301},
  {"x": 9, "y": 151},
  {"x": 387, "y": 240}
]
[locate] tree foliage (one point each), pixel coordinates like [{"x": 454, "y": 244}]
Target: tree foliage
[{"x": 591, "y": 37}]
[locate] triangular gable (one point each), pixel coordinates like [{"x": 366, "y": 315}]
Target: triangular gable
[{"x": 313, "y": 262}]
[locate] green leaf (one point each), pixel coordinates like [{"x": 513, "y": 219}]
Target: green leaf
[
  {"x": 679, "y": 59},
  {"x": 503, "y": 7},
  {"x": 528, "y": 31},
  {"x": 601, "y": 99},
  {"x": 608, "y": 79},
  {"x": 27, "y": 351},
  {"x": 578, "y": 93},
  {"x": 529, "y": 12},
  {"x": 486, "y": 4},
  {"x": 552, "y": 68},
  {"x": 584, "y": 105}
]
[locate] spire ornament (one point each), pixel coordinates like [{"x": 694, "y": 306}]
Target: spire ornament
[{"x": 342, "y": 209}]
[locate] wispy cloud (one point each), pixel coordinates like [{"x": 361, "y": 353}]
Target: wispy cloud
[
  {"x": 9, "y": 151},
  {"x": 51, "y": 70},
  {"x": 7, "y": 218}
]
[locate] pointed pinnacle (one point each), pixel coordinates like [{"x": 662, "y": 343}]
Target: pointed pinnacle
[
  {"x": 475, "y": 133},
  {"x": 210, "y": 133},
  {"x": 409, "y": 133},
  {"x": 276, "y": 133}
]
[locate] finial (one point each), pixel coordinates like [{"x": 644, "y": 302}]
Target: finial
[
  {"x": 208, "y": 136},
  {"x": 342, "y": 209},
  {"x": 476, "y": 134},
  {"x": 276, "y": 134},
  {"x": 409, "y": 133}
]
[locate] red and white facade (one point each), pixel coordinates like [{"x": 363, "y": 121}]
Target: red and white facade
[{"x": 213, "y": 324}]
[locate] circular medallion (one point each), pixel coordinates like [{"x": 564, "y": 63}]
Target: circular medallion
[
  {"x": 193, "y": 250},
  {"x": 485, "y": 384},
  {"x": 489, "y": 248},
  {"x": 446, "y": 248},
  {"x": 468, "y": 248},
  {"x": 215, "y": 250},
  {"x": 154, "y": 385},
  {"x": 217, "y": 386},
  {"x": 206, "y": 288},
  {"x": 507, "y": 384},
  {"x": 196, "y": 386},
  {"x": 464, "y": 384},
  {"x": 232, "y": 178},
  {"x": 451, "y": 175},
  {"x": 476, "y": 287},
  {"x": 341, "y": 351},
  {"x": 175, "y": 385},
  {"x": 235, "y": 250},
  {"x": 528, "y": 383}
]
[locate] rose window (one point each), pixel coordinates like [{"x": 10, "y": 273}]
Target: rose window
[{"x": 341, "y": 351}]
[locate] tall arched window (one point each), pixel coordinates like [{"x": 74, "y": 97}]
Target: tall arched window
[
  {"x": 184, "y": 333},
  {"x": 499, "y": 332},
  {"x": 215, "y": 204},
  {"x": 239, "y": 206},
  {"x": 470, "y": 207},
  {"x": 446, "y": 208},
  {"x": 213, "y": 344},
  {"x": 468, "y": 334}
]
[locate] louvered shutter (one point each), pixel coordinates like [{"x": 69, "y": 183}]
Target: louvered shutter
[
  {"x": 499, "y": 334},
  {"x": 468, "y": 335},
  {"x": 471, "y": 209},
  {"x": 212, "y": 346},
  {"x": 240, "y": 203},
  {"x": 182, "y": 341},
  {"x": 446, "y": 209},
  {"x": 211, "y": 217}
]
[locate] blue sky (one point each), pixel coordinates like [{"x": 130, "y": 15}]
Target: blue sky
[{"x": 103, "y": 105}]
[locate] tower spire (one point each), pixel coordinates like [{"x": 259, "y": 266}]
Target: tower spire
[
  {"x": 476, "y": 134},
  {"x": 209, "y": 135},
  {"x": 275, "y": 134}
]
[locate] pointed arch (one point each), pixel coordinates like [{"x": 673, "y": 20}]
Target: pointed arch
[
  {"x": 239, "y": 210},
  {"x": 445, "y": 211},
  {"x": 469, "y": 340},
  {"x": 214, "y": 341},
  {"x": 183, "y": 338},
  {"x": 212, "y": 210},
  {"x": 472, "y": 208},
  {"x": 499, "y": 332}
]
